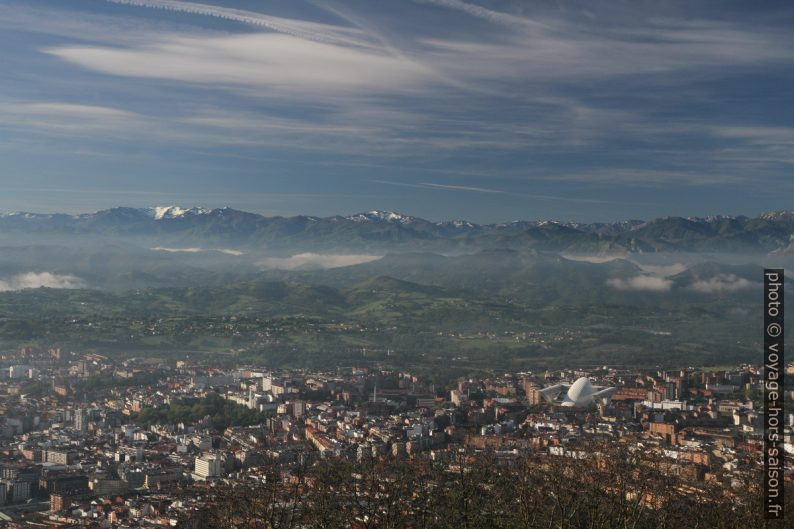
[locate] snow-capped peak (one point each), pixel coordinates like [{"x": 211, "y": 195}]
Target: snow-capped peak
[
  {"x": 457, "y": 223},
  {"x": 711, "y": 218},
  {"x": 175, "y": 212},
  {"x": 375, "y": 215},
  {"x": 776, "y": 215}
]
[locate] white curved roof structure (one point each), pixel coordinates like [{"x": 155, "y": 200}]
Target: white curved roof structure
[{"x": 577, "y": 395}]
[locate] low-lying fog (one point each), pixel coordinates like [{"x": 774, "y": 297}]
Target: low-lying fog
[
  {"x": 38, "y": 280},
  {"x": 118, "y": 266},
  {"x": 316, "y": 261}
]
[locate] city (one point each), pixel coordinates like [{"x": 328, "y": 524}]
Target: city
[{"x": 88, "y": 440}]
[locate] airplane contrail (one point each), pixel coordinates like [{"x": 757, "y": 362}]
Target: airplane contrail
[
  {"x": 299, "y": 29},
  {"x": 484, "y": 13}
]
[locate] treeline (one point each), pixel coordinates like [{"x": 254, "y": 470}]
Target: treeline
[
  {"x": 222, "y": 413},
  {"x": 616, "y": 489},
  {"x": 102, "y": 382}
]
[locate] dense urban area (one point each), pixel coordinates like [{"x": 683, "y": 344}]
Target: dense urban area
[{"x": 92, "y": 441}]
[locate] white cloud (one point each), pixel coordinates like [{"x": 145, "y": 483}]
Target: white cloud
[
  {"x": 68, "y": 118},
  {"x": 347, "y": 71},
  {"x": 267, "y": 63},
  {"x": 314, "y": 260},
  {"x": 72, "y": 110},
  {"x": 226, "y": 251},
  {"x": 663, "y": 270},
  {"x": 369, "y": 85},
  {"x": 40, "y": 279},
  {"x": 594, "y": 259},
  {"x": 178, "y": 250},
  {"x": 314, "y": 57},
  {"x": 649, "y": 283},
  {"x": 722, "y": 283}
]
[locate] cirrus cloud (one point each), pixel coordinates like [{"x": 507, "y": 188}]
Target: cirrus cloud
[{"x": 264, "y": 63}]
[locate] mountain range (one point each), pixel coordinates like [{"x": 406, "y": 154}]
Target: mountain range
[{"x": 382, "y": 230}]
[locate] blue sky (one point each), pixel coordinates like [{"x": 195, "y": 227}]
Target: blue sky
[{"x": 488, "y": 111}]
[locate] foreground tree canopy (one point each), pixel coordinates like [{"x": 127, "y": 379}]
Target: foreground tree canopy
[{"x": 612, "y": 488}]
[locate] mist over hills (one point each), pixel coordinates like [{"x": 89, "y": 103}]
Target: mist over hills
[
  {"x": 133, "y": 248},
  {"x": 390, "y": 287},
  {"x": 494, "y": 309}
]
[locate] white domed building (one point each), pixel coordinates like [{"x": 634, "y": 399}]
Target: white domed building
[{"x": 577, "y": 395}]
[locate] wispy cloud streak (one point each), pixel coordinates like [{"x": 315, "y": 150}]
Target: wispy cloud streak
[
  {"x": 443, "y": 187},
  {"x": 482, "y": 12},
  {"x": 296, "y": 28},
  {"x": 472, "y": 189}
]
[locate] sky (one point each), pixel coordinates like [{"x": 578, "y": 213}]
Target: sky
[{"x": 487, "y": 111}]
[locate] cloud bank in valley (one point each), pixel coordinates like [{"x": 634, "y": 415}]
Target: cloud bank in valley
[
  {"x": 663, "y": 270},
  {"x": 722, "y": 283},
  {"x": 226, "y": 251},
  {"x": 316, "y": 260},
  {"x": 647, "y": 269},
  {"x": 647, "y": 283},
  {"x": 40, "y": 279},
  {"x": 593, "y": 259}
]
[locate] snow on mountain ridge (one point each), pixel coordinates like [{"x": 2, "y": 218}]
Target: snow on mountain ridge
[
  {"x": 775, "y": 215},
  {"x": 377, "y": 215},
  {"x": 174, "y": 212},
  {"x": 457, "y": 223}
]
